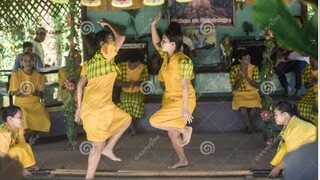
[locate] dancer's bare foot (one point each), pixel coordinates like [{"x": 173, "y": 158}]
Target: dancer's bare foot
[
  {"x": 186, "y": 136},
  {"x": 109, "y": 154},
  {"x": 26, "y": 173},
  {"x": 179, "y": 164}
]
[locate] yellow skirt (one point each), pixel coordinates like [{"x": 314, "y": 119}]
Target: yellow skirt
[
  {"x": 248, "y": 99},
  {"x": 24, "y": 153},
  {"x": 170, "y": 113},
  {"x": 100, "y": 116},
  {"x": 35, "y": 116}
]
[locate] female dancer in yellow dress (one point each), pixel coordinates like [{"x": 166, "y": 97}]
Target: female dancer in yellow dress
[
  {"x": 102, "y": 119},
  {"x": 295, "y": 133},
  {"x": 28, "y": 85},
  {"x": 244, "y": 79},
  {"x": 179, "y": 95},
  {"x": 12, "y": 142}
]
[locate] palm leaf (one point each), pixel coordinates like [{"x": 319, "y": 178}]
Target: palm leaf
[{"x": 274, "y": 15}]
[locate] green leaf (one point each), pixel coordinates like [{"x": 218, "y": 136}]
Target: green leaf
[{"x": 273, "y": 14}]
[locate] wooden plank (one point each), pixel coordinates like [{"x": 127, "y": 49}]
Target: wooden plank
[{"x": 126, "y": 173}]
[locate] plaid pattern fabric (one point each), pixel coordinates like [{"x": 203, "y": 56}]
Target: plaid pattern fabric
[
  {"x": 123, "y": 76},
  {"x": 234, "y": 76},
  {"x": 132, "y": 103},
  {"x": 186, "y": 68},
  {"x": 123, "y": 71},
  {"x": 99, "y": 66},
  {"x": 306, "y": 74},
  {"x": 308, "y": 104}
]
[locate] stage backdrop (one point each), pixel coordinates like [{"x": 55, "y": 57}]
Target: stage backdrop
[{"x": 194, "y": 13}]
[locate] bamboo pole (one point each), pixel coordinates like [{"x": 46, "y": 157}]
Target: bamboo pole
[{"x": 127, "y": 173}]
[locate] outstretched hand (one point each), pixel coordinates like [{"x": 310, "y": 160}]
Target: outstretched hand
[{"x": 156, "y": 19}]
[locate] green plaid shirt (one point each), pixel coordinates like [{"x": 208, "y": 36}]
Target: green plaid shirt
[
  {"x": 234, "y": 76},
  {"x": 98, "y": 66},
  {"x": 306, "y": 74}
]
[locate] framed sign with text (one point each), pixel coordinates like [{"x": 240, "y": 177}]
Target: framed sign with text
[{"x": 197, "y": 12}]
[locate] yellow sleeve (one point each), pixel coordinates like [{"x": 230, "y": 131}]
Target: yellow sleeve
[
  {"x": 5, "y": 140},
  {"x": 21, "y": 138},
  {"x": 14, "y": 82},
  {"x": 84, "y": 70},
  {"x": 62, "y": 76},
  {"x": 279, "y": 155}
]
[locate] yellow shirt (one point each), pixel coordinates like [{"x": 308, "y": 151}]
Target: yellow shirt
[
  {"x": 296, "y": 134},
  {"x": 8, "y": 138}
]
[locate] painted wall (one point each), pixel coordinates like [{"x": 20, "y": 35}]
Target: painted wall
[{"x": 145, "y": 15}]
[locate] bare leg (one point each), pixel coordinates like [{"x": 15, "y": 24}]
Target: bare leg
[
  {"x": 176, "y": 141},
  {"x": 186, "y": 135},
  {"x": 94, "y": 158},
  {"x": 108, "y": 149},
  {"x": 245, "y": 115},
  {"x": 186, "y": 132}
]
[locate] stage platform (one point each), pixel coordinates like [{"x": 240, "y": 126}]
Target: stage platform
[{"x": 222, "y": 155}]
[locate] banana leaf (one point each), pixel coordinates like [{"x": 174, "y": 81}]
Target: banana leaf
[{"x": 273, "y": 14}]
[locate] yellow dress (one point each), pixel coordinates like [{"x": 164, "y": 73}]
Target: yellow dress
[
  {"x": 296, "y": 134},
  {"x": 35, "y": 116},
  {"x": 247, "y": 95},
  {"x": 171, "y": 72},
  {"x": 100, "y": 116},
  {"x": 14, "y": 144},
  {"x": 62, "y": 77}
]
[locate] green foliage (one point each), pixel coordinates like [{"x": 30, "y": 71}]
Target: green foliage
[
  {"x": 266, "y": 100},
  {"x": 287, "y": 32}
]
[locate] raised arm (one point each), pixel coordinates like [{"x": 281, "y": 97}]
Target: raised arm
[
  {"x": 155, "y": 36},
  {"x": 119, "y": 37}
]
